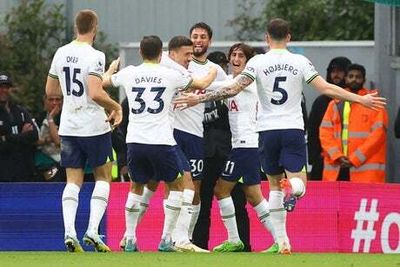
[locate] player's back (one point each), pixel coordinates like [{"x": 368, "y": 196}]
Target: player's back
[
  {"x": 279, "y": 76},
  {"x": 150, "y": 89},
  {"x": 71, "y": 65}
]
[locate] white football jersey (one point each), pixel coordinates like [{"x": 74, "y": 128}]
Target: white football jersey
[
  {"x": 168, "y": 62},
  {"x": 71, "y": 65},
  {"x": 279, "y": 75},
  {"x": 243, "y": 117},
  {"x": 150, "y": 89},
  {"x": 191, "y": 120}
]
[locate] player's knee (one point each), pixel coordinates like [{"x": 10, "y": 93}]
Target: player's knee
[{"x": 220, "y": 192}]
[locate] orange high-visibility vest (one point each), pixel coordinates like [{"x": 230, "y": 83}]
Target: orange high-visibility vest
[{"x": 366, "y": 141}]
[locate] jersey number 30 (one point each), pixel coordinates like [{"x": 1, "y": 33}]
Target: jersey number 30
[
  {"x": 280, "y": 90},
  {"x": 139, "y": 90}
]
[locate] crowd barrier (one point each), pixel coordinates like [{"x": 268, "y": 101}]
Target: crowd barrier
[{"x": 332, "y": 217}]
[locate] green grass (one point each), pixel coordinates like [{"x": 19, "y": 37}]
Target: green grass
[{"x": 60, "y": 259}]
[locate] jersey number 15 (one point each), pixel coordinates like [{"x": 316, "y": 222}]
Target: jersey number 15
[{"x": 75, "y": 80}]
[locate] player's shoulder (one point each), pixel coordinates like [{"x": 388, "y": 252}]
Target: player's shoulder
[
  {"x": 257, "y": 59},
  {"x": 299, "y": 57}
]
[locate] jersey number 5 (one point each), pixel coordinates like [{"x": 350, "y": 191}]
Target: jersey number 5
[
  {"x": 75, "y": 80},
  {"x": 284, "y": 97},
  {"x": 157, "y": 98}
]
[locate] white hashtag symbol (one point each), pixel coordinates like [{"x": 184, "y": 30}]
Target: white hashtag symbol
[{"x": 360, "y": 233}]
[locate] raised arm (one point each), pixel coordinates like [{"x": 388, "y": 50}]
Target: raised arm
[
  {"x": 114, "y": 66},
  {"x": 370, "y": 100},
  {"x": 204, "y": 82}
]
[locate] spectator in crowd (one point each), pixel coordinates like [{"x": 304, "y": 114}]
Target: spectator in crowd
[
  {"x": 335, "y": 73},
  {"x": 49, "y": 155},
  {"x": 18, "y": 136},
  {"x": 353, "y": 137}
]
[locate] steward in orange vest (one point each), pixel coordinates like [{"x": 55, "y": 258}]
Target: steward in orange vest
[{"x": 353, "y": 137}]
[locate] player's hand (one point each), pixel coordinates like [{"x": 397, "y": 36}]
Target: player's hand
[
  {"x": 114, "y": 66},
  {"x": 373, "y": 101},
  {"x": 186, "y": 100},
  {"x": 115, "y": 118}
]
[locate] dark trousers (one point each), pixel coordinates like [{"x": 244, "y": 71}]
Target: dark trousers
[
  {"x": 317, "y": 169},
  {"x": 211, "y": 171}
]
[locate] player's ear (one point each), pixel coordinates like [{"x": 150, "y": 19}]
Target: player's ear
[
  {"x": 288, "y": 37},
  {"x": 267, "y": 38}
]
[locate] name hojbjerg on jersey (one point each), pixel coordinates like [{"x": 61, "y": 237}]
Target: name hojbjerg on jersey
[{"x": 280, "y": 67}]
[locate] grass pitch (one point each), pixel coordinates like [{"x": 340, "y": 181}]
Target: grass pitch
[{"x": 61, "y": 259}]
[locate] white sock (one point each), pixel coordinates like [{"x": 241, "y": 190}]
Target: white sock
[
  {"x": 278, "y": 215},
  {"x": 146, "y": 196},
  {"x": 172, "y": 208},
  {"x": 132, "y": 213},
  {"x": 70, "y": 200},
  {"x": 181, "y": 232},
  {"x": 195, "y": 216},
  {"x": 98, "y": 205},
  {"x": 262, "y": 210},
  {"x": 227, "y": 210},
  {"x": 298, "y": 186}
]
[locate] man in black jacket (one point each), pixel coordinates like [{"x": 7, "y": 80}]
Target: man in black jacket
[
  {"x": 18, "y": 135},
  {"x": 336, "y": 72}
]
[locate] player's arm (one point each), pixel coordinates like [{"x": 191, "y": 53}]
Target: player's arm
[
  {"x": 229, "y": 90},
  {"x": 204, "y": 82},
  {"x": 114, "y": 66},
  {"x": 53, "y": 86},
  {"x": 98, "y": 95},
  {"x": 370, "y": 100}
]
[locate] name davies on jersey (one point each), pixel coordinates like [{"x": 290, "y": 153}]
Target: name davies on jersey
[
  {"x": 280, "y": 67},
  {"x": 148, "y": 79}
]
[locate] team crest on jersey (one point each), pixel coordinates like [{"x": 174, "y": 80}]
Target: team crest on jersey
[{"x": 99, "y": 66}]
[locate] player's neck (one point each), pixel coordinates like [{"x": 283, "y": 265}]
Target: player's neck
[
  {"x": 151, "y": 61},
  {"x": 202, "y": 58},
  {"x": 85, "y": 38},
  {"x": 277, "y": 45}
]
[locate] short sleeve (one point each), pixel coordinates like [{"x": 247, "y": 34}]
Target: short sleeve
[
  {"x": 309, "y": 72},
  {"x": 97, "y": 65},
  {"x": 221, "y": 75},
  {"x": 250, "y": 69},
  {"x": 117, "y": 78},
  {"x": 182, "y": 81}
]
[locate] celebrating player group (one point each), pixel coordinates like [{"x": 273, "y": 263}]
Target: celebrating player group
[{"x": 167, "y": 94}]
